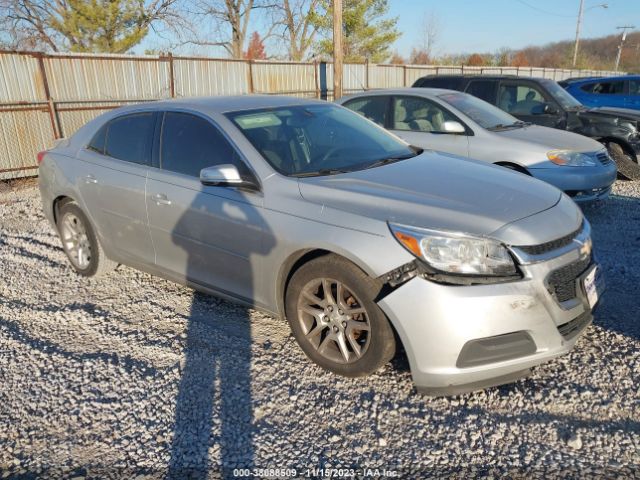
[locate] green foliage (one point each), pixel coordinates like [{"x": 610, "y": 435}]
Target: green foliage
[
  {"x": 367, "y": 35},
  {"x": 113, "y": 26}
]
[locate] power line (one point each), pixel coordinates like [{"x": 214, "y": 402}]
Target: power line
[{"x": 545, "y": 11}]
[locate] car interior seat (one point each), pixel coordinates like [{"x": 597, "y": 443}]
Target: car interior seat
[
  {"x": 418, "y": 117},
  {"x": 505, "y": 102},
  {"x": 400, "y": 118},
  {"x": 278, "y": 152}
]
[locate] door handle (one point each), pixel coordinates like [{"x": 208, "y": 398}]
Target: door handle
[
  {"x": 90, "y": 179},
  {"x": 161, "y": 199}
]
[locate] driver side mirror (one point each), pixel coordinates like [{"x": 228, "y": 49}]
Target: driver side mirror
[
  {"x": 544, "y": 108},
  {"x": 226, "y": 175},
  {"x": 451, "y": 126}
]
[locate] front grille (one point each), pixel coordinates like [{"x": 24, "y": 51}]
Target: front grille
[
  {"x": 562, "y": 282},
  {"x": 574, "y": 327},
  {"x": 604, "y": 158},
  {"x": 551, "y": 245}
]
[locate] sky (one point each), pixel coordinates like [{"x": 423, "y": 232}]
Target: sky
[{"x": 468, "y": 26}]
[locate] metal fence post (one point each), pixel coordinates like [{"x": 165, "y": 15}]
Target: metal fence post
[
  {"x": 53, "y": 114},
  {"x": 315, "y": 78},
  {"x": 366, "y": 74},
  {"x": 323, "y": 80},
  {"x": 250, "y": 75},
  {"x": 172, "y": 81}
]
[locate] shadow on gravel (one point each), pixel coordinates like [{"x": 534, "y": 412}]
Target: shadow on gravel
[
  {"x": 220, "y": 236},
  {"x": 615, "y": 225}
]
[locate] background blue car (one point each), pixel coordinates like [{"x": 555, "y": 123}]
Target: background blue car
[{"x": 620, "y": 92}]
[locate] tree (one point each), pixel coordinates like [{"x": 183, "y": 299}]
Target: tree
[
  {"x": 84, "y": 25},
  {"x": 298, "y": 22},
  {"x": 419, "y": 57},
  {"x": 229, "y": 20},
  {"x": 255, "y": 49},
  {"x": 519, "y": 60},
  {"x": 475, "y": 60},
  {"x": 397, "y": 59},
  {"x": 430, "y": 33},
  {"x": 367, "y": 35}
]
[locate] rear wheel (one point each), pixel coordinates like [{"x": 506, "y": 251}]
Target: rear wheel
[
  {"x": 627, "y": 165},
  {"x": 332, "y": 313},
  {"x": 80, "y": 242}
]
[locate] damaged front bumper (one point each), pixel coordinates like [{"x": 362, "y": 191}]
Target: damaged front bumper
[{"x": 466, "y": 337}]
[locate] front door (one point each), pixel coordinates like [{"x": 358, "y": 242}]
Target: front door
[
  {"x": 526, "y": 101},
  {"x": 207, "y": 235}
]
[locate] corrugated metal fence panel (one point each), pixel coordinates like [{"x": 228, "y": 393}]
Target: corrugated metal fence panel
[
  {"x": 201, "y": 77},
  {"x": 73, "y": 115},
  {"x": 22, "y": 135},
  {"x": 20, "y": 79},
  {"x": 354, "y": 77},
  {"x": 386, "y": 76},
  {"x": 414, "y": 73},
  {"x": 106, "y": 78},
  {"x": 284, "y": 78}
]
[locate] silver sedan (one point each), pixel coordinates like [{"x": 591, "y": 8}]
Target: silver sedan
[
  {"x": 304, "y": 209},
  {"x": 464, "y": 125}
]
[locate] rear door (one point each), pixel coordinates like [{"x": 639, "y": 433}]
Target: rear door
[
  {"x": 420, "y": 122},
  {"x": 204, "y": 234},
  {"x": 113, "y": 186}
]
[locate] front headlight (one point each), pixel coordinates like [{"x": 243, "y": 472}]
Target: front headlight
[
  {"x": 455, "y": 253},
  {"x": 569, "y": 158}
]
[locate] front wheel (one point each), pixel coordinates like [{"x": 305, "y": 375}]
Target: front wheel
[
  {"x": 627, "y": 166},
  {"x": 80, "y": 242},
  {"x": 333, "y": 316}
]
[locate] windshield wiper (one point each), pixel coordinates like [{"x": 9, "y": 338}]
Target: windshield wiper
[
  {"x": 388, "y": 160},
  {"x": 504, "y": 126},
  {"x": 321, "y": 172}
]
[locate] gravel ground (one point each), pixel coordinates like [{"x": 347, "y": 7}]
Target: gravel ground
[{"x": 133, "y": 375}]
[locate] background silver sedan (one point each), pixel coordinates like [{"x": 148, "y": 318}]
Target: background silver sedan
[
  {"x": 458, "y": 123},
  {"x": 307, "y": 210}
]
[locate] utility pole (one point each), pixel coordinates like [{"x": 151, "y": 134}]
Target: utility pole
[
  {"x": 579, "y": 25},
  {"x": 624, "y": 37},
  {"x": 337, "y": 49}
]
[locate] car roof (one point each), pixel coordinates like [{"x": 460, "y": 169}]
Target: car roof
[
  {"x": 469, "y": 76},
  {"x": 427, "y": 91},
  {"x": 603, "y": 79},
  {"x": 221, "y": 104}
]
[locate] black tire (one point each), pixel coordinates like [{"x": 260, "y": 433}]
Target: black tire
[
  {"x": 97, "y": 262},
  {"x": 627, "y": 167},
  {"x": 377, "y": 345}
]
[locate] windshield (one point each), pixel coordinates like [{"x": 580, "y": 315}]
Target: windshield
[
  {"x": 563, "y": 97},
  {"x": 481, "y": 112},
  {"x": 318, "y": 139}
]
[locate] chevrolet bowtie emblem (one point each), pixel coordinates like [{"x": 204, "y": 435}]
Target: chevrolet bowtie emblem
[{"x": 585, "y": 247}]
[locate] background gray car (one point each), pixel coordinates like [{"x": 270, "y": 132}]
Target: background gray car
[
  {"x": 459, "y": 123},
  {"x": 306, "y": 210}
]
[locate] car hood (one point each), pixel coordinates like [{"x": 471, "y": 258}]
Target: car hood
[
  {"x": 626, "y": 113},
  {"x": 434, "y": 190},
  {"x": 550, "y": 138}
]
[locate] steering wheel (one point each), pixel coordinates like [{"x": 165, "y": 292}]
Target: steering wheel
[{"x": 330, "y": 153}]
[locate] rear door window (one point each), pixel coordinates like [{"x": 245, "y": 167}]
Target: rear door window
[
  {"x": 129, "y": 138},
  {"x": 373, "y": 108},
  {"x": 98, "y": 140},
  {"x": 190, "y": 143},
  {"x": 483, "y": 89},
  {"x": 608, "y": 88}
]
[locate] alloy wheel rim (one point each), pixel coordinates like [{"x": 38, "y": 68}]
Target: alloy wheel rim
[
  {"x": 334, "y": 320},
  {"x": 76, "y": 241}
]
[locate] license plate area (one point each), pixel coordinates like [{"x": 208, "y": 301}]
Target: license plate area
[{"x": 593, "y": 285}]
